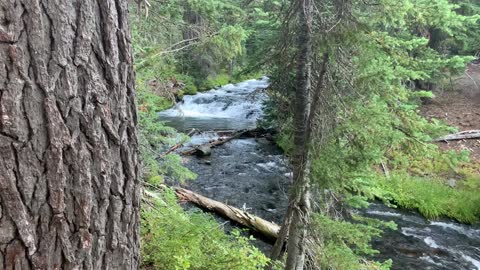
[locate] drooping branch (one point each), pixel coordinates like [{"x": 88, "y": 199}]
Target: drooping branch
[
  {"x": 174, "y": 48},
  {"x": 190, "y": 42}
]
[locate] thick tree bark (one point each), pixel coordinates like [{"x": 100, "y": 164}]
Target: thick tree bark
[{"x": 69, "y": 187}]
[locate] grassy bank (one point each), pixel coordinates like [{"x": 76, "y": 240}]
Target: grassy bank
[{"x": 432, "y": 197}]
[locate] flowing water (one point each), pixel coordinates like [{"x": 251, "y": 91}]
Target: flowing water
[{"x": 253, "y": 174}]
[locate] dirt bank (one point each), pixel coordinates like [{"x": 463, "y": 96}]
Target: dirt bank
[{"x": 459, "y": 106}]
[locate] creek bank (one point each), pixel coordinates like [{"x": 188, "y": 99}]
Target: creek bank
[{"x": 253, "y": 174}]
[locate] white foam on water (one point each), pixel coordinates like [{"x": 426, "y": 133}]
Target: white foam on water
[
  {"x": 229, "y": 101},
  {"x": 468, "y": 232},
  {"x": 246, "y": 142},
  {"x": 382, "y": 213},
  {"x": 476, "y": 263},
  {"x": 430, "y": 242},
  {"x": 411, "y": 232},
  {"x": 269, "y": 166},
  {"x": 430, "y": 260}
]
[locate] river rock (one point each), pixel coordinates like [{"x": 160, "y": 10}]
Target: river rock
[
  {"x": 452, "y": 183},
  {"x": 204, "y": 151}
]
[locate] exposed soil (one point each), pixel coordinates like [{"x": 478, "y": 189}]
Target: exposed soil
[{"x": 459, "y": 106}]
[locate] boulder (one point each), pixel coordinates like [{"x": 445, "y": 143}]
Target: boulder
[{"x": 203, "y": 151}]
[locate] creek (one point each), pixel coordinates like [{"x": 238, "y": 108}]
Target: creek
[{"x": 253, "y": 174}]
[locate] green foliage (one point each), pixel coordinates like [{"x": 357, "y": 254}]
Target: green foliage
[
  {"x": 431, "y": 197},
  {"x": 156, "y": 138},
  {"x": 375, "y": 56},
  {"x": 215, "y": 81},
  {"x": 344, "y": 243},
  {"x": 450, "y": 26},
  {"x": 175, "y": 239},
  {"x": 468, "y": 41},
  {"x": 368, "y": 124},
  {"x": 171, "y": 237},
  {"x": 377, "y": 121},
  {"x": 191, "y": 41},
  {"x": 399, "y": 140},
  {"x": 190, "y": 89}
]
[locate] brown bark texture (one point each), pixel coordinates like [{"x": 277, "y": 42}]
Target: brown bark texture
[{"x": 69, "y": 173}]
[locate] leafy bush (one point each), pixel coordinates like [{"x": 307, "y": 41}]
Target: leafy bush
[
  {"x": 190, "y": 89},
  {"x": 345, "y": 243},
  {"x": 214, "y": 81},
  {"x": 175, "y": 239}
]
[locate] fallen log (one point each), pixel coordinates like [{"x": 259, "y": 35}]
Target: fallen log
[
  {"x": 215, "y": 143},
  {"x": 464, "y": 135},
  {"x": 176, "y": 146},
  {"x": 255, "y": 132},
  {"x": 268, "y": 229}
]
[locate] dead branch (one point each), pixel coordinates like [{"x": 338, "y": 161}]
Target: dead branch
[
  {"x": 176, "y": 146},
  {"x": 220, "y": 141},
  {"x": 268, "y": 229},
  {"x": 463, "y": 135}
]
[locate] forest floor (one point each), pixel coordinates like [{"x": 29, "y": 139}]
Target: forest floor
[{"x": 459, "y": 106}]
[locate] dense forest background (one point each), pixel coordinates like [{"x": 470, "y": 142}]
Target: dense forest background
[{"x": 373, "y": 63}]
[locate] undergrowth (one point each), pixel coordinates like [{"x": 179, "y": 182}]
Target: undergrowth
[
  {"x": 175, "y": 239},
  {"x": 431, "y": 197},
  {"x": 345, "y": 244}
]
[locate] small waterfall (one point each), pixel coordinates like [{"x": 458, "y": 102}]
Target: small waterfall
[{"x": 233, "y": 106}]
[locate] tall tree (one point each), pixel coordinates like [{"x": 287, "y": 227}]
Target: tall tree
[
  {"x": 69, "y": 173},
  {"x": 300, "y": 198},
  {"x": 296, "y": 219}
]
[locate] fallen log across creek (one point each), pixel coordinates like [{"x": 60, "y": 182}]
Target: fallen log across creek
[
  {"x": 176, "y": 146},
  {"x": 464, "y": 135},
  {"x": 204, "y": 148},
  {"x": 268, "y": 229}
]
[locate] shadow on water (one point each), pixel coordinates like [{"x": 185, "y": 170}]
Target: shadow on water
[{"x": 253, "y": 174}]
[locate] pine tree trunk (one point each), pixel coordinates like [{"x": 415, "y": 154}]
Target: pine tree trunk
[
  {"x": 299, "y": 193},
  {"x": 69, "y": 173}
]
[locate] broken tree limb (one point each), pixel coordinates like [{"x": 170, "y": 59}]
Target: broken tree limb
[
  {"x": 255, "y": 132},
  {"x": 268, "y": 229},
  {"x": 464, "y": 135},
  {"x": 218, "y": 142},
  {"x": 176, "y": 146}
]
